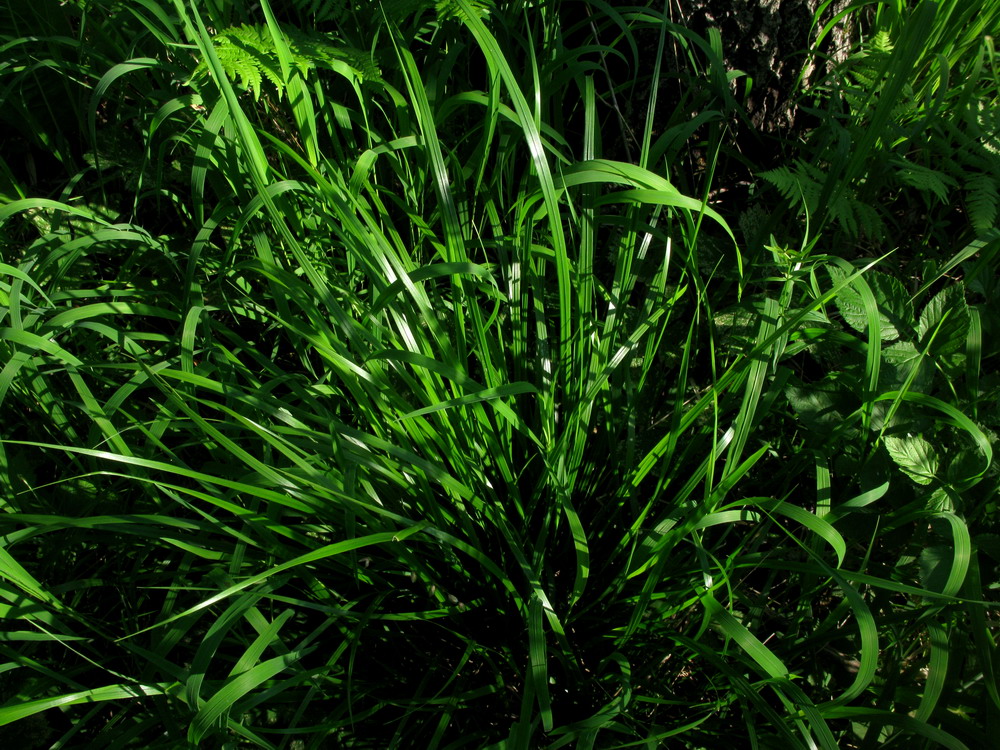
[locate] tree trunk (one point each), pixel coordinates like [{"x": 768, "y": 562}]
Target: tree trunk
[{"x": 769, "y": 40}]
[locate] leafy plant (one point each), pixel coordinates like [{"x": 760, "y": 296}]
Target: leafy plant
[
  {"x": 901, "y": 118},
  {"x": 250, "y": 55},
  {"x": 401, "y": 408}
]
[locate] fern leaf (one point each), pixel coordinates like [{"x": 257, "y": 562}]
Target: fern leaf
[
  {"x": 927, "y": 179},
  {"x": 869, "y": 221},
  {"x": 982, "y": 201},
  {"x": 985, "y": 124},
  {"x": 785, "y": 180},
  {"x": 248, "y": 55},
  {"x": 881, "y": 43},
  {"x": 843, "y": 213},
  {"x": 240, "y": 64},
  {"x": 451, "y": 9}
]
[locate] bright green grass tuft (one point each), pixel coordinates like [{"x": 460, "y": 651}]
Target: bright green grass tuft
[{"x": 388, "y": 378}]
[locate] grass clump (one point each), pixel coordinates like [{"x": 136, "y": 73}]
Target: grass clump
[{"x": 392, "y": 379}]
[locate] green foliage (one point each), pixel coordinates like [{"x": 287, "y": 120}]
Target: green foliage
[
  {"x": 803, "y": 184},
  {"x": 907, "y": 131},
  {"x": 437, "y": 404},
  {"x": 894, "y": 308},
  {"x": 249, "y": 54},
  {"x": 915, "y": 456}
]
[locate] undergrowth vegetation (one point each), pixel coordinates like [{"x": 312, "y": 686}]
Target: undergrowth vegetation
[{"x": 454, "y": 375}]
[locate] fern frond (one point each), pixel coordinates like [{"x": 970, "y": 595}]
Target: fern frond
[
  {"x": 986, "y": 127},
  {"x": 869, "y": 221},
  {"x": 927, "y": 179},
  {"x": 785, "y": 180},
  {"x": 803, "y": 186},
  {"x": 451, "y": 9},
  {"x": 249, "y": 56},
  {"x": 865, "y": 66},
  {"x": 842, "y": 211},
  {"x": 881, "y": 43},
  {"x": 241, "y": 67},
  {"x": 982, "y": 201}
]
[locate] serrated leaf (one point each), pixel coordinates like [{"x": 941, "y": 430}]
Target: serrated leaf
[
  {"x": 944, "y": 322},
  {"x": 914, "y": 456},
  {"x": 940, "y": 501},
  {"x": 894, "y": 309},
  {"x": 902, "y": 357},
  {"x": 901, "y": 354},
  {"x": 815, "y": 404},
  {"x": 966, "y": 464}
]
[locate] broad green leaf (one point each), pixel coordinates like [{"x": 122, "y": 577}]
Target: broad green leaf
[
  {"x": 895, "y": 312},
  {"x": 915, "y": 456},
  {"x": 902, "y": 354},
  {"x": 940, "y": 501},
  {"x": 816, "y": 404},
  {"x": 944, "y": 322},
  {"x": 907, "y": 366}
]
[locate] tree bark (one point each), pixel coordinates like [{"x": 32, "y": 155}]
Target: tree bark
[{"x": 770, "y": 40}]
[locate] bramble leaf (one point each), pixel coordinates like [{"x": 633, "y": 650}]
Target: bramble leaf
[
  {"x": 891, "y": 298},
  {"x": 944, "y": 322},
  {"x": 914, "y": 456}
]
